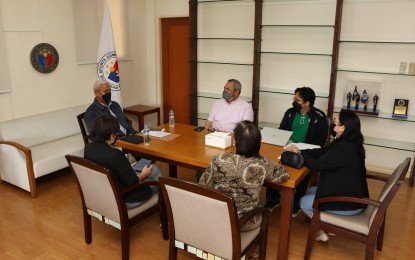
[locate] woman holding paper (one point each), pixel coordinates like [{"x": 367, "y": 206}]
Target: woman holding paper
[
  {"x": 342, "y": 169},
  {"x": 102, "y": 152}
]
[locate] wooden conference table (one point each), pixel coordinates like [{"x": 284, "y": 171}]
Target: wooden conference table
[{"x": 187, "y": 148}]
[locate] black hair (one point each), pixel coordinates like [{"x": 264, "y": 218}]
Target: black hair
[
  {"x": 352, "y": 132},
  {"x": 307, "y": 94},
  {"x": 105, "y": 125},
  {"x": 248, "y": 139}
]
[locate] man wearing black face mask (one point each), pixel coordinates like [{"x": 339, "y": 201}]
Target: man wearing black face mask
[
  {"x": 230, "y": 110},
  {"x": 309, "y": 125},
  {"x": 103, "y": 104}
]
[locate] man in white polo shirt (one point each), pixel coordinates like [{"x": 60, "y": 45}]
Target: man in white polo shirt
[{"x": 230, "y": 110}]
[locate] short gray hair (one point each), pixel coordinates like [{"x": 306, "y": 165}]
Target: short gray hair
[
  {"x": 98, "y": 83},
  {"x": 236, "y": 84}
]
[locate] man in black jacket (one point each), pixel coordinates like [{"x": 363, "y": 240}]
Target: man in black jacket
[
  {"x": 309, "y": 125},
  {"x": 103, "y": 104}
]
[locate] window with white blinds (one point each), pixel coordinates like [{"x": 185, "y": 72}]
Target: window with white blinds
[{"x": 88, "y": 21}]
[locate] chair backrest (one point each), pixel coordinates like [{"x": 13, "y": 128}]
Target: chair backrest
[
  {"x": 82, "y": 125},
  {"x": 96, "y": 186},
  {"x": 201, "y": 217},
  {"x": 395, "y": 180}
]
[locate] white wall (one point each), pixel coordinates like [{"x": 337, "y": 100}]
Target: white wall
[{"x": 29, "y": 22}]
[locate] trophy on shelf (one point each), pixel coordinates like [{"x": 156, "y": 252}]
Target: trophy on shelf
[
  {"x": 349, "y": 98},
  {"x": 375, "y": 102},
  {"x": 356, "y": 98},
  {"x": 400, "y": 108},
  {"x": 365, "y": 100}
]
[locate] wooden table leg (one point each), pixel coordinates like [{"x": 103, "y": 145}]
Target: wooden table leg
[
  {"x": 172, "y": 170},
  {"x": 287, "y": 195},
  {"x": 140, "y": 123},
  {"x": 412, "y": 175}
]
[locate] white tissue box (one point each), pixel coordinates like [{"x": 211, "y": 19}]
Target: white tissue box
[{"x": 218, "y": 139}]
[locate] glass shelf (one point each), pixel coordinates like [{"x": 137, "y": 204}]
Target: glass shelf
[
  {"x": 376, "y": 72},
  {"x": 225, "y": 63},
  {"x": 218, "y": 96},
  {"x": 392, "y": 144},
  {"x": 299, "y": 25},
  {"x": 296, "y": 53},
  {"x": 290, "y": 1},
  {"x": 289, "y": 92},
  {"x": 382, "y": 115},
  {"x": 202, "y": 116},
  {"x": 224, "y": 38},
  {"x": 375, "y": 42},
  {"x": 224, "y": 1}
]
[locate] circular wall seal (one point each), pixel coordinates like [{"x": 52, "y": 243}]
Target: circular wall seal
[
  {"x": 44, "y": 58},
  {"x": 108, "y": 70}
]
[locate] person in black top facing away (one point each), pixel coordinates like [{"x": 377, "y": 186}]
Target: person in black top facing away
[
  {"x": 309, "y": 125},
  {"x": 342, "y": 169},
  {"x": 102, "y": 152}
]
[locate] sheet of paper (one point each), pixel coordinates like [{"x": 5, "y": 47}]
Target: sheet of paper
[
  {"x": 159, "y": 134},
  {"x": 303, "y": 146}
]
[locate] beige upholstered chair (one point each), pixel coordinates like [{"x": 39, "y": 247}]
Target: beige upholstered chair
[
  {"x": 204, "y": 221},
  {"x": 367, "y": 227},
  {"x": 102, "y": 198}
]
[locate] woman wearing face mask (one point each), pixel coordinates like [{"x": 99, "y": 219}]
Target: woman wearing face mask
[
  {"x": 102, "y": 152},
  {"x": 342, "y": 169}
]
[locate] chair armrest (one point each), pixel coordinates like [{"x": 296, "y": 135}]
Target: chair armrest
[
  {"x": 360, "y": 200},
  {"x": 139, "y": 185},
  {"x": 376, "y": 177},
  {"x": 17, "y": 145},
  {"x": 29, "y": 165},
  {"x": 247, "y": 216}
]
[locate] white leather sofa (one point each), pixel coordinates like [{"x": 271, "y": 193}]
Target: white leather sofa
[{"x": 34, "y": 146}]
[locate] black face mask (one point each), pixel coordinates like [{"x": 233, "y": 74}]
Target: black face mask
[
  {"x": 296, "y": 106},
  {"x": 107, "y": 97},
  {"x": 332, "y": 126},
  {"x": 226, "y": 95}
]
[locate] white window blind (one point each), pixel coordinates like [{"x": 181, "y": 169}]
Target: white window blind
[
  {"x": 88, "y": 22},
  {"x": 4, "y": 65}
]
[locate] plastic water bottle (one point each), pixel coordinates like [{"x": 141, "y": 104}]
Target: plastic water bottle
[
  {"x": 171, "y": 118},
  {"x": 146, "y": 133}
]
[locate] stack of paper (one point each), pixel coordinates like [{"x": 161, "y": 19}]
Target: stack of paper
[{"x": 159, "y": 134}]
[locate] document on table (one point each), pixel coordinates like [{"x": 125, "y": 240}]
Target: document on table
[
  {"x": 304, "y": 146},
  {"x": 159, "y": 134}
]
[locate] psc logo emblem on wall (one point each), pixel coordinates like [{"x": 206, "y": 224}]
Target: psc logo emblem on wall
[{"x": 44, "y": 58}]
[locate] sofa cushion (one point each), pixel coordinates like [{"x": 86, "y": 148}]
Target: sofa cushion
[
  {"x": 50, "y": 157},
  {"x": 39, "y": 129}
]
